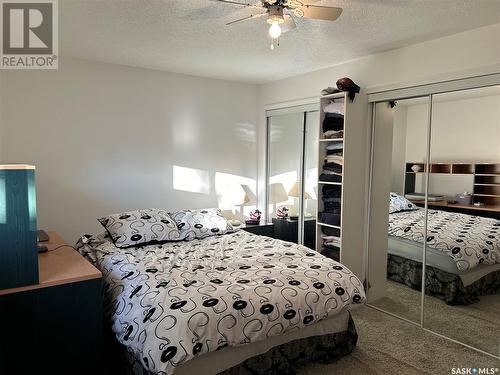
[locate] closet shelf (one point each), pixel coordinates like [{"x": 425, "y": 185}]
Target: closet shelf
[
  {"x": 330, "y": 183},
  {"x": 487, "y": 195},
  {"x": 328, "y": 225},
  {"x": 481, "y": 184},
  {"x": 331, "y": 139}
]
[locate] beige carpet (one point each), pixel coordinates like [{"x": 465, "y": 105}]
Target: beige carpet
[
  {"x": 477, "y": 324},
  {"x": 388, "y": 345}
]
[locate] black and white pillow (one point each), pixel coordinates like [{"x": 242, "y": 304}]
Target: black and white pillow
[
  {"x": 201, "y": 223},
  {"x": 397, "y": 203},
  {"x": 140, "y": 227}
]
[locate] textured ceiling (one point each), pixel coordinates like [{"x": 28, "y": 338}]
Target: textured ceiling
[{"x": 190, "y": 36}]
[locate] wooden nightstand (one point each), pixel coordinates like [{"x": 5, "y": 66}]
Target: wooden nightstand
[
  {"x": 54, "y": 326},
  {"x": 263, "y": 229}
]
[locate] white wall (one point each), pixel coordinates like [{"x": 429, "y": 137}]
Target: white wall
[{"x": 105, "y": 138}]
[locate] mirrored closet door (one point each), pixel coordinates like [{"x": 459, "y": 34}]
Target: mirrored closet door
[
  {"x": 462, "y": 296},
  {"x": 434, "y": 210},
  {"x": 292, "y": 162},
  {"x": 395, "y": 256}
]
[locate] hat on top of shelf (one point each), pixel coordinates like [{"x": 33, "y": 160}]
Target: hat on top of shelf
[{"x": 347, "y": 85}]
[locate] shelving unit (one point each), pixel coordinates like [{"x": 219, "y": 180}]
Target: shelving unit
[
  {"x": 486, "y": 188},
  {"x": 352, "y": 187}
]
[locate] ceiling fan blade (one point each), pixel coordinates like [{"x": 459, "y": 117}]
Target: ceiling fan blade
[
  {"x": 289, "y": 24},
  {"x": 258, "y": 5},
  {"x": 318, "y": 12},
  {"x": 250, "y": 17}
]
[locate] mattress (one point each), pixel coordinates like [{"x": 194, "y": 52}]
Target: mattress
[
  {"x": 171, "y": 303},
  {"x": 437, "y": 259}
]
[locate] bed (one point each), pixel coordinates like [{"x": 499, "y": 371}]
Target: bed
[
  {"x": 462, "y": 254},
  {"x": 235, "y": 303}
]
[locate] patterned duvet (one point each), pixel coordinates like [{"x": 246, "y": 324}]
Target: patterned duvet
[
  {"x": 169, "y": 303},
  {"x": 469, "y": 240}
]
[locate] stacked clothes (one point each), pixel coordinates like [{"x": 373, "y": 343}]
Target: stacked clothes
[
  {"x": 332, "y": 205},
  {"x": 334, "y": 161},
  {"x": 331, "y": 243},
  {"x": 333, "y": 123}
]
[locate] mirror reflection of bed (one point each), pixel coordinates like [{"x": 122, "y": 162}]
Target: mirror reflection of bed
[{"x": 440, "y": 152}]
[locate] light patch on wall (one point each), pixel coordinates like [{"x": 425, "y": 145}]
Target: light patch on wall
[
  {"x": 230, "y": 193},
  {"x": 191, "y": 180}
]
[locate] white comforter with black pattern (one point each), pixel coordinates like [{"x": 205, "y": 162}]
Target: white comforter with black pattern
[
  {"x": 469, "y": 240},
  {"x": 169, "y": 303}
]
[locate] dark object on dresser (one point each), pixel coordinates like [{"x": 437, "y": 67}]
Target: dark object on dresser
[
  {"x": 54, "y": 326},
  {"x": 265, "y": 229},
  {"x": 288, "y": 230},
  {"x": 18, "y": 251}
]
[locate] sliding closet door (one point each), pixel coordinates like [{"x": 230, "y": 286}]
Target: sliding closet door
[
  {"x": 292, "y": 173},
  {"x": 310, "y": 198},
  {"x": 396, "y": 225},
  {"x": 285, "y": 144},
  {"x": 462, "y": 298}
]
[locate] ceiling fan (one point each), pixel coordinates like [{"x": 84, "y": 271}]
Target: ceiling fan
[{"x": 280, "y": 14}]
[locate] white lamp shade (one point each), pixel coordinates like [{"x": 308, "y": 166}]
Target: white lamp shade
[
  {"x": 294, "y": 191},
  {"x": 277, "y": 193}
]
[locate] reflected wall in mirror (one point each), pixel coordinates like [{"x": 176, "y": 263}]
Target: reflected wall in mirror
[
  {"x": 463, "y": 232},
  {"x": 398, "y": 136}
]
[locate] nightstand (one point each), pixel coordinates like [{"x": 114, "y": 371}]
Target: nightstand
[
  {"x": 263, "y": 229},
  {"x": 288, "y": 230},
  {"x": 54, "y": 326}
]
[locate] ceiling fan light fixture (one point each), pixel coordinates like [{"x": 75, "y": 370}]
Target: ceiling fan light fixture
[{"x": 275, "y": 30}]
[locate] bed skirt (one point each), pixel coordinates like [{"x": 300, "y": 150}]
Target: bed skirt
[
  {"x": 440, "y": 284},
  {"x": 280, "y": 360}
]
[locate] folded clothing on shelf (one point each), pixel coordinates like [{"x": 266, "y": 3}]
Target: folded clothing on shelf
[
  {"x": 335, "y": 152},
  {"x": 336, "y": 146},
  {"x": 334, "y": 159},
  {"x": 327, "y": 177},
  {"x": 332, "y": 167},
  {"x": 331, "y": 218},
  {"x": 333, "y": 121},
  {"x": 331, "y": 240},
  {"x": 331, "y": 252},
  {"x": 333, "y": 134}
]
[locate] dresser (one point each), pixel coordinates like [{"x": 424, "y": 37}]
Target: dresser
[{"x": 54, "y": 326}]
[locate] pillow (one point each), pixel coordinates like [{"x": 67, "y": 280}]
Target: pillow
[
  {"x": 201, "y": 223},
  {"x": 140, "y": 227},
  {"x": 397, "y": 203}
]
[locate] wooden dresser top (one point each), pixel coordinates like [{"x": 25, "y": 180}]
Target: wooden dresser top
[{"x": 58, "y": 267}]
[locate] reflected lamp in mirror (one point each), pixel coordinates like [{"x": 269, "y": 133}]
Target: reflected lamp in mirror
[
  {"x": 295, "y": 193},
  {"x": 277, "y": 194}
]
